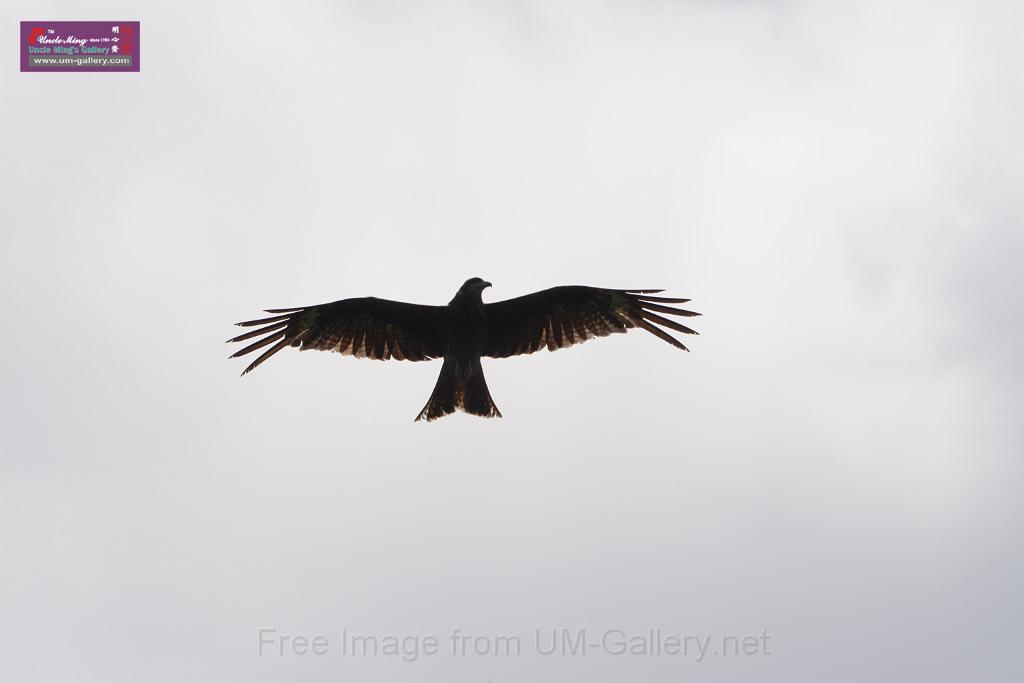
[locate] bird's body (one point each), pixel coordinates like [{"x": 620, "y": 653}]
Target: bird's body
[
  {"x": 461, "y": 384},
  {"x": 464, "y": 335},
  {"x": 463, "y": 331}
]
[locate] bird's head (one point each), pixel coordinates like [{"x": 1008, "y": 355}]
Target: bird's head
[
  {"x": 472, "y": 288},
  {"x": 475, "y": 284}
]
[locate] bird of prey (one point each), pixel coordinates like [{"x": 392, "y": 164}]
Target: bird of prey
[{"x": 464, "y": 331}]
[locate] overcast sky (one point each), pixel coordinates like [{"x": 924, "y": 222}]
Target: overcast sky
[{"x": 836, "y": 185}]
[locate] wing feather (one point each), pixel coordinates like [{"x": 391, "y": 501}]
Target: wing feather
[
  {"x": 367, "y": 327},
  {"x": 665, "y": 322},
  {"x": 662, "y": 299},
  {"x": 259, "y": 344},
  {"x": 660, "y": 333},
  {"x": 274, "y": 349},
  {"x": 668, "y": 309},
  {"x": 262, "y": 321},
  {"x": 561, "y": 317},
  {"x": 262, "y": 330}
]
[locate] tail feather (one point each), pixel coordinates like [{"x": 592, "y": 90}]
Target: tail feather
[{"x": 453, "y": 392}]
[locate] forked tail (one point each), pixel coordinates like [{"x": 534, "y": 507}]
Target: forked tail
[{"x": 460, "y": 388}]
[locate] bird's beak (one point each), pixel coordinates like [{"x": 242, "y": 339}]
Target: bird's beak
[{"x": 486, "y": 284}]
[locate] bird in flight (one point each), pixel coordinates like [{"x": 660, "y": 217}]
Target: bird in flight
[{"x": 464, "y": 331}]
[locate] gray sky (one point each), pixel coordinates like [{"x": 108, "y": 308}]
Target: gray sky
[{"x": 837, "y": 462}]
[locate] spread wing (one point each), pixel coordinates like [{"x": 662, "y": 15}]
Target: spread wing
[
  {"x": 559, "y": 317},
  {"x": 367, "y": 328}
]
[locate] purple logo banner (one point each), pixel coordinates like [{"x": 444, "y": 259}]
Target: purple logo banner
[{"x": 79, "y": 46}]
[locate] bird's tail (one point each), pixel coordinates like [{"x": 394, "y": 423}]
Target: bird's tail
[{"x": 460, "y": 387}]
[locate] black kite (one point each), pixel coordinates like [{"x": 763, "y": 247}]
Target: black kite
[{"x": 463, "y": 331}]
